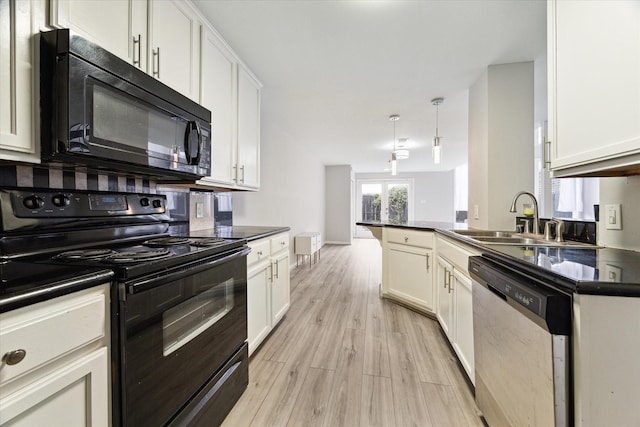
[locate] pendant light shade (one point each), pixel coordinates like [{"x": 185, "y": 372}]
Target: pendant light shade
[
  {"x": 437, "y": 148},
  {"x": 394, "y": 157},
  {"x": 394, "y": 164}
]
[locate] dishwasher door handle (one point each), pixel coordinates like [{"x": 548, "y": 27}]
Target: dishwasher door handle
[{"x": 497, "y": 292}]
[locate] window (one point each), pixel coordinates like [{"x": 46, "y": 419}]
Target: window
[{"x": 570, "y": 198}]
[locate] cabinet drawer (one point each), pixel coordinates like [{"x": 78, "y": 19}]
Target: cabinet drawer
[
  {"x": 410, "y": 237},
  {"x": 279, "y": 242},
  {"x": 456, "y": 254},
  {"x": 50, "y": 329},
  {"x": 259, "y": 250}
]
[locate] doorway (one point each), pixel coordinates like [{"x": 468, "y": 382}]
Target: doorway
[{"x": 383, "y": 200}]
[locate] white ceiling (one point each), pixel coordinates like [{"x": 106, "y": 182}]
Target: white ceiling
[{"x": 334, "y": 71}]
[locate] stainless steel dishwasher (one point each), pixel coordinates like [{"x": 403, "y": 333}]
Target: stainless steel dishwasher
[{"x": 521, "y": 331}]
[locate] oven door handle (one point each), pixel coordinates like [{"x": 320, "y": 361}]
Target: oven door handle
[{"x": 184, "y": 271}]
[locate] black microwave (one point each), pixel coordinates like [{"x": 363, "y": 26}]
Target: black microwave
[{"x": 101, "y": 112}]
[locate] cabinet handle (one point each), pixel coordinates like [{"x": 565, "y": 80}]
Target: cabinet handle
[
  {"x": 277, "y": 275},
  {"x": 136, "y": 46},
  {"x": 446, "y": 275},
  {"x": 242, "y": 169},
  {"x": 259, "y": 253},
  {"x": 428, "y": 262},
  {"x": 235, "y": 173},
  {"x": 546, "y": 154},
  {"x": 156, "y": 62},
  {"x": 450, "y": 277},
  {"x": 271, "y": 275},
  {"x": 406, "y": 239},
  {"x": 14, "y": 357}
]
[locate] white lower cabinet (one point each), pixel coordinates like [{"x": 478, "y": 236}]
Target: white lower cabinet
[
  {"x": 454, "y": 304},
  {"x": 62, "y": 374},
  {"x": 280, "y": 293},
  {"x": 410, "y": 275},
  {"x": 463, "y": 322},
  {"x": 408, "y": 268},
  {"x": 444, "y": 312},
  {"x": 268, "y": 293},
  {"x": 258, "y": 305}
]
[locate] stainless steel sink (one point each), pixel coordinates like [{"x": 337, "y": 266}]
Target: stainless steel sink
[
  {"x": 513, "y": 240},
  {"x": 490, "y": 237},
  {"x": 485, "y": 233}
]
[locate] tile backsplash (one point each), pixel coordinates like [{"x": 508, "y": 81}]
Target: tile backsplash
[
  {"x": 577, "y": 231},
  {"x": 28, "y": 176}
]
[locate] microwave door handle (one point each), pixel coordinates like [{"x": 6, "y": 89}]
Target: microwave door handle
[{"x": 189, "y": 141}]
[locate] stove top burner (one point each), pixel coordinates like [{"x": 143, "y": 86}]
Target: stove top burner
[
  {"x": 167, "y": 241},
  {"x": 209, "y": 241},
  {"x": 136, "y": 256},
  {"x": 88, "y": 254}
]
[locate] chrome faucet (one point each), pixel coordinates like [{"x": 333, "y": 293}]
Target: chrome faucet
[
  {"x": 536, "y": 219},
  {"x": 559, "y": 229}
]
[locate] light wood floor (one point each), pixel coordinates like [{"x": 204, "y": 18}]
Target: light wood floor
[{"x": 344, "y": 357}]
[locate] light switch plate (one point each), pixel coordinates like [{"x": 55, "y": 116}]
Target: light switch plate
[
  {"x": 613, "y": 218},
  {"x": 199, "y": 210},
  {"x": 476, "y": 212}
]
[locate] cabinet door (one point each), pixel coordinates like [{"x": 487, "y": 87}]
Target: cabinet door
[
  {"x": 17, "y": 137},
  {"x": 463, "y": 321},
  {"x": 248, "y": 130},
  {"x": 594, "y": 85},
  {"x": 76, "y": 395},
  {"x": 280, "y": 293},
  {"x": 258, "y": 304},
  {"x": 174, "y": 34},
  {"x": 410, "y": 275},
  {"x": 444, "y": 291},
  {"x": 218, "y": 94},
  {"x": 104, "y": 22}
]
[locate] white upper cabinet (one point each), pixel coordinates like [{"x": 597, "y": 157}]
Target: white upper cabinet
[
  {"x": 594, "y": 87},
  {"x": 248, "y": 129},
  {"x": 232, "y": 94},
  {"x": 110, "y": 24},
  {"x": 17, "y": 135},
  {"x": 218, "y": 94},
  {"x": 174, "y": 49},
  {"x": 167, "y": 48}
]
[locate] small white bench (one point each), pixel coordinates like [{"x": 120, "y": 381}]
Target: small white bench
[{"x": 307, "y": 244}]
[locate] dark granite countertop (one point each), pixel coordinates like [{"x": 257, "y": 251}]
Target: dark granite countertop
[
  {"x": 248, "y": 232},
  {"x": 25, "y": 283},
  {"x": 584, "y": 270},
  {"x": 416, "y": 225}
]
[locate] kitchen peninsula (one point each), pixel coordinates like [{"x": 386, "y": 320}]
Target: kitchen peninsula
[{"x": 604, "y": 285}]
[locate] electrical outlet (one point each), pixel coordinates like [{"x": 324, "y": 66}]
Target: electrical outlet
[
  {"x": 476, "y": 212},
  {"x": 612, "y": 273},
  {"x": 613, "y": 219},
  {"x": 199, "y": 210}
]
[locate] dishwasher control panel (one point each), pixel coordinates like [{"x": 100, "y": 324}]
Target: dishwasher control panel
[{"x": 547, "y": 307}]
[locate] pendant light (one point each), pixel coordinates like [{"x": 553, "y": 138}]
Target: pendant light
[
  {"x": 437, "y": 149},
  {"x": 394, "y": 158}
]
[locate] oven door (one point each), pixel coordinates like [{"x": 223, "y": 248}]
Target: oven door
[{"x": 177, "y": 331}]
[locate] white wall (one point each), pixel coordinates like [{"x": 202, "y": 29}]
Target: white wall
[
  {"x": 626, "y": 191},
  {"x": 292, "y": 189},
  {"x": 433, "y": 193},
  {"x": 339, "y": 202},
  {"x": 501, "y": 135},
  {"x": 479, "y": 152}
]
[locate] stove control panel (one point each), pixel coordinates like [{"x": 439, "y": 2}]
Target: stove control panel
[{"x": 78, "y": 203}]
